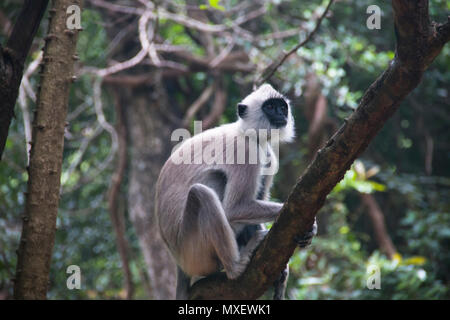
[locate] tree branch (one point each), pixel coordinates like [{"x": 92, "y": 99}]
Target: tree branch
[
  {"x": 12, "y": 58},
  {"x": 218, "y": 106},
  {"x": 413, "y": 54},
  {"x": 197, "y": 105},
  {"x": 25, "y": 28}
]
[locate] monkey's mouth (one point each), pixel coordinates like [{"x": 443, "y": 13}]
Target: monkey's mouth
[{"x": 279, "y": 123}]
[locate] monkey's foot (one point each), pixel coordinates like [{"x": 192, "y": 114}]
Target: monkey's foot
[
  {"x": 279, "y": 285},
  {"x": 305, "y": 240}
]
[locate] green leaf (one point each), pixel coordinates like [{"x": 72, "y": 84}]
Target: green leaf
[
  {"x": 377, "y": 186},
  {"x": 215, "y": 4}
]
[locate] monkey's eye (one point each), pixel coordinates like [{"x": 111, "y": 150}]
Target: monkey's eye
[
  {"x": 269, "y": 106},
  {"x": 242, "y": 110}
]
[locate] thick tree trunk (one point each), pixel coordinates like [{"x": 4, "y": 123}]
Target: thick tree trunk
[
  {"x": 12, "y": 59},
  {"x": 148, "y": 134},
  {"x": 39, "y": 222},
  {"x": 418, "y": 44}
]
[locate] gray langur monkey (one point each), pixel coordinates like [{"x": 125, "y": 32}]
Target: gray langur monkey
[{"x": 210, "y": 213}]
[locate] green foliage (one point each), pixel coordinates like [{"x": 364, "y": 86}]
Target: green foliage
[
  {"x": 336, "y": 267},
  {"x": 176, "y": 35},
  {"x": 356, "y": 180},
  {"x": 92, "y": 42}
]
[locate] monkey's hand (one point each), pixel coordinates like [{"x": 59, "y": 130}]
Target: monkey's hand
[{"x": 305, "y": 240}]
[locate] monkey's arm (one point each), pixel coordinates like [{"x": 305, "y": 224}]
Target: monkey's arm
[{"x": 239, "y": 201}]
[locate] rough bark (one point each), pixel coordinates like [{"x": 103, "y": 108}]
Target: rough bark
[
  {"x": 41, "y": 207},
  {"x": 147, "y": 127},
  {"x": 418, "y": 43},
  {"x": 379, "y": 226},
  {"x": 12, "y": 59}
]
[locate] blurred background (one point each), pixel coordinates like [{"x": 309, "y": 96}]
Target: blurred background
[{"x": 148, "y": 67}]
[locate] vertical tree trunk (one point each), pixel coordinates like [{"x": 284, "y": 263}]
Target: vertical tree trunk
[
  {"x": 39, "y": 221},
  {"x": 114, "y": 195},
  {"x": 321, "y": 127},
  {"x": 379, "y": 226},
  {"x": 149, "y": 132}
]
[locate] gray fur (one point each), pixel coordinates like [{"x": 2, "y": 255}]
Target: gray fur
[{"x": 202, "y": 208}]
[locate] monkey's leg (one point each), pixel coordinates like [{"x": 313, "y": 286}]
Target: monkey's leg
[
  {"x": 280, "y": 284},
  {"x": 247, "y": 250},
  {"x": 247, "y": 233},
  {"x": 244, "y": 238},
  {"x": 183, "y": 283},
  {"x": 254, "y": 212},
  {"x": 209, "y": 233}
]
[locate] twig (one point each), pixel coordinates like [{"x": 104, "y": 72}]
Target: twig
[
  {"x": 147, "y": 48},
  {"x": 179, "y": 18},
  {"x": 219, "y": 104},
  {"x": 98, "y": 105},
  {"x": 147, "y": 43},
  {"x": 250, "y": 16},
  {"x": 183, "y": 20},
  {"x": 276, "y": 65},
  {"x": 116, "y": 7},
  {"x": 143, "y": 20},
  {"x": 223, "y": 54},
  {"x": 280, "y": 34},
  {"x": 81, "y": 151},
  {"x": 197, "y": 105},
  {"x": 79, "y": 109},
  {"x": 26, "y": 120},
  {"x": 30, "y": 70},
  {"x": 24, "y": 90}
]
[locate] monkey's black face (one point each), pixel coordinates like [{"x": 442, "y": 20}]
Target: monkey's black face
[{"x": 276, "y": 111}]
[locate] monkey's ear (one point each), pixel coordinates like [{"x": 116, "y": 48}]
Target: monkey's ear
[{"x": 242, "y": 110}]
